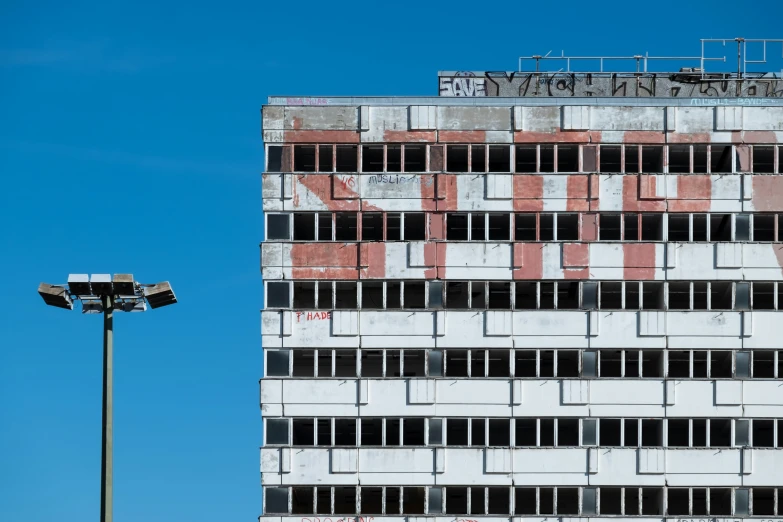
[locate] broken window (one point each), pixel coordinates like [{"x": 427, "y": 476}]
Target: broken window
[
  {"x": 393, "y": 158},
  {"x": 275, "y": 500},
  {"x": 372, "y": 500},
  {"x": 680, "y": 158},
  {"x": 567, "y": 227},
  {"x": 457, "y": 295},
  {"x": 277, "y": 226},
  {"x": 498, "y": 363},
  {"x": 372, "y": 226},
  {"x": 456, "y": 432},
  {"x": 567, "y": 363},
  {"x": 413, "y": 432},
  {"x": 547, "y": 363},
  {"x": 456, "y": 500},
  {"x": 720, "y": 364},
  {"x": 393, "y": 501},
  {"x": 720, "y": 501},
  {"x": 652, "y": 227},
  {"x": 325, "y": 295},
  {"x": 477, "y": 227},
  {"x": 568, "y": 158},
  {"x": 477, "y": 434},
  {"x": 611, "y": 363},
  {"x": 764, "y": 501},
  {"x": 679, "y": 295},
  {"x": 631, "y": 363},
  {"x": 611, "y": 501},
  {"x": 568, "y": 295},
  {"x": 679, "y": 227},
  {"x": 763, "y": 159},
  {"x": 499, "y": 158},
  {"x": 763, "y": 364},
  {"x": 325, "y": 158},
  {"x": 763, "y": 227},
  {"x": 632, "y": 158},
  {"x": 631, "y": 227},
  {"x": 477, "y": 295},
  {"x": 609, "y": 435},
  {"x": 500, "y": 296},
  {"x": 525, "y": 295},
  {"x": 652, "y": 432},
  {"x": 720, "y": 227},
  {"x": 345, "y": 226},
  {"x": 304, "y": 363},
  {"x": 546, "y": 158},
  {"x": 478, "y": 158},
  {"x": 699, "y": 295},
  {"x": 323, "y": 433},
  {"x": 524, "y": 363},
  {"x": 568, "y": 432},
  {"x": 393, "y": 227},
  {"x": 546, "y": 432},
  {"x": 524, "y": 501},
  {"x": 276, "y": 431},
  {"x": 477, "y": 500},
  {"x": 720, "y": 433},
  {"x": 720, "y": 295},
  {"x": 720, "y": 158},
  {"x": 499, "y": 434},
  {"x": 392, "y": 432},
  {"x": 609, "y": 227},
  {"x": 304, "y": 295},
  {"x": 525, "y": 158},
  {"x": 499, "y": 227},
  {"x": 304, "y": 227},
  {"x": 346, "y": 156},
  {"x": 477, "y": 363},
  {"x": 546, "y": 227},
  {"x": 324, "y": 363},
  {"x": 611, "y": 159},
  {"x": 678, "y": 433},
  {"x": 546, "y": 501},
  {"x": 456, "y": 363},
  {"x": 372, "y": 363},
  {"x": 525, "y": 227},
  {"x": 372, "y": 295},
  {"x": 274, "y": 160},
  {"x": 278, "y": 295},
  {"x": 345, "y": 363},
  {"x": 415, "y": 226},
  {"x": 414, "y": 294},
  {"x": 611, "y": 296},
  {"x": 679, "y": 363},
  {"x": 699, "y": 227},
  {"x": 457, "y": 158},
  {"x": 652, "y": 158},
  {"x": 372, "y": 434},
  {"x": 652, "y": 363},
  {"x": 345, "y": 432},
  {"x": 324, "y": 226},
  {"x": 413, "y": 363},
  {"x": 525, "y": 432},
  {"x": 567, "y": 501},
  {"x": 304, "y": 158},
  {"x": 302, "y": 500},
  {"x": 415, "y": 158},
  {"x": 678, "y": 501},
  {"x": 652, "y": 296}
]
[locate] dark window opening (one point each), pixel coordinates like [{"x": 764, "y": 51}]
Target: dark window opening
[
  {"x": 652, "y": 501},
  {"x": 546, "y": 501},
  {"x": 478, "y": 157},
  {"x": 456, "y": 500},
  {"x": 568, "y": 295},
  {"x": 457, "y": 227},
  {"x": 652, "y": 433},
  {"x": 499, "y": 227},
  {"x": 524, "y": 501},
  {"x": 476, "y": 500},
  {"x": 393, "y": 158},
  {"x": 345, "y": 295},
  {"x": 499, "y": 434},
  {"x": 414, "y": 294},
  {"x": 477, "y": 363},
  {"x": 302, "y": 501},
  {"x": 699, "y": 433},
  {"x": 324, "y": 439},
  {"x": 393, "y": 501},
  {"x": 392, "y": 432},
  {"x": 652, "y": 227},
  {"x": 611, "y": 160},
  {"x": 652, "y": 363},
  {"x": 567, "y": 501},
  {"x": 457, "y": 158},
  {"x": 699, "y": 295},
  {"x": 372, "y": 158},
  {"x": 525, "y": 227},
  {"x": 632, "y": 363},
  {"x": 324, "y": 226},
  {"x": 700, "y": 227},
  {"x": 568, "y": 432},
  {"x": 304, "y": 227},
  {"x": 546, "y": 158},
  {"x": 679, "y": 295},
  {"x": 304, "y": 295},
  {"x": 274, "y": 160},
  {"x": 680, "y": 158},
  {"x": 546, "y": 227},
  {"x": 720, "y": 433},
  {"x": 547, "y": 296},
  {"x": 632, "y": 158},
  {"x": 477, "y": 296},
  {"x": 345, "y": 500},
  {"x": 720, "y": 227},
  {"x": 393, "y": 228},
  {"x": 611, "y": 363},
  {"x": 525, "y": 432},
  {"x": 275, "y": 500},
  {"x": 720, "y": 501},
  {"x": 477, "y": 434},
  {"x": 499, "y": 296},
  {"x": 325, "y": 158},
  {"x": 763, "y": 364},
  {"x": 567, "y": 363},
  {"x": 720, "y": 364},
  {"x": 567, "y": 227},
  {"x": 652, "y": 158},
  {"x": 679, "y": 227},
  {"x": 277, "y": 226},
  {"x": 609, "y": 227},
  {"x": 763, "y": 433},
  {"x": 345, "y": 363},
  {"x": 415, "y": 158},
  {"x": 609, "y": 435},
  {"x": 547, "y": 367},
  {"x": 652, "y": 296},
  {"x": 498, "y": 365},
  {"x": 456, "y": 363},
  {"x": 611, "y": 296},
  {"x": 525, "y": 158},
  {"x": 415, "y": 226},
  {"x": 678, "y": 432},
  {"x": 345, "y": 432},
  {"x": 457, "y": 295},
  {"x": 278, "y": 295},
  {"x": 477, "y": 227},
  {"x": 568, "y": 158},
  {"x": 456, "y": 432},
  {"x": 763, "y": 227},
  {"x": 372, "y": 295},
  {"x": 324, "y": 363},
  {"x": 611, "y": 501},
  {"x": 346, "y": 156},
  {"x": 497, "y": 501},
  {"x": 525, "y": 295},
  {"x": 763, "y": 159},
  {"x": 678, "y": 501},
  {"x": 699, "y": 504},
  {"x": 324, "y": 295},
  {"x": 720, "y": 158},
  {"x": 304, "y": 363},
  {"x": 372, "y": 363},
  {"x": 276, "y": 431},
  {"x": 679, "y": 364},
  {"x": 524, "y": 363},
  {"x": 372, "y": 226},
  {"x": 632, "y": 295},
  {"x": 631, "y": 227},
  {"x": 304, "y": 158},
  {"x": 413, "y": 432},
  {"x": 631, "y": 500},
  {"x": 345, "y": 226},
  {"x": 413, "y": 363},
  {"x": 546, "y": 432},
  {"x": 499, "y": 158},
  {"x": 372, "y": 500}
]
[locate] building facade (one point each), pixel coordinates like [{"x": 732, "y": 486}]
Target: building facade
[{"x": 533, "y": 296}]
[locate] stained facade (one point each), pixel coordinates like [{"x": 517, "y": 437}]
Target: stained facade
[{"x": 483, "y": 307}]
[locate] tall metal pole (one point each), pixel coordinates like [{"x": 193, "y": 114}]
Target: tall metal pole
[{"x": 108, "y": 408}]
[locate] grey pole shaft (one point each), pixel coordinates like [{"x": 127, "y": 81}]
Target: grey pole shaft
[{"x": 108, "y": 409}]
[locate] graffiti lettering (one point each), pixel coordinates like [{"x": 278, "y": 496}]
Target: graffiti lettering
[
  {"x": 396, "y": 179},
  {"x": 312, "y": 316},
  {"x": 347, "y": 519},
  {"x": 348, "y": 182},
  {"x": 307, "y": 101},
  {"x": 463, "y": 87}
]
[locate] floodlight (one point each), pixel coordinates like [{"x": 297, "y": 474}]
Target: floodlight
[
  {"x": 101, "y": 284},
  {"x": 130, "y": 303},
  {"x": 91, "y": 305},
  {"x": 160, "y": 294},
  {"x": 123, "y": 284},
  {"x": 55, "y": 296},
  {"x": 79, "y": 284}
]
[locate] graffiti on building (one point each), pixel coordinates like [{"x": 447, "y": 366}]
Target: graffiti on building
[
  {"x": 396, "y": 179},
  {"x": 312, "y": 316}
]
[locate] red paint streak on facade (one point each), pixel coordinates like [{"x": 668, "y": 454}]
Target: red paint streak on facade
[
  {"x": 437, "y": 230},
  {"x": 373, "y": 260},
  {"x": 474, "y": 136},
  {"x": 447, "y": 192},
  {"x": 532, "y": 256},
  {"x": 779, "y": 256},
  {"x": 639, "y": 261},
  {"x": 692, "y": 137},
  {"x": 325, "y": 255},
  {"x": 756, "y": 137},
  {"x": 767, "y": 193},
  {"x": 433, "y": 258},
  {"x": 589, "y": 226},
  {"x": 577, "y": 191},
  {"x": 321, "y": 187},
  {"x": 694, "y": 194},
  {"x": 321, "y": 136},
  {"x": 576, "y": 255},
  {"x": 325, "y": 273},
  {"x": 409, "y": 136},
  {"x": 296, "y": 123},
  {"x": 595, "y": 192},
  {"x": 644, "y": 137},
  {"x": 344, "y": 185},
  {"x": 631, "y": 201},
  {"x": 528, "y": 193},
  {"x": 558, "y": 136},
  {"x": 428, "y": 202},
  {"x": 648, "y": 184}
]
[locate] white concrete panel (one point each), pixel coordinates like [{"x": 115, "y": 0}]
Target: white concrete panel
[
  {"x": 345, "y": 323},
  {"x": 344, "y": 460},
  {"x": 497, "y": 460},
  {"x": 539, "y": 119},
  {"x": 700, "y": 461},
  {"x": 310, "y": 391},
  {"x": 542, "y": 398},
  {"x": 271, "y": 391},
  {"x": 421, "y": 391},
  {"x": 465, "y": 467},
  {"x": 762, "y": 393},
  {"x": 499, "y": 186},
  {"x": 392, "y": 185},
  {"x": 382, "y": 323},
  {"x": 614, "y": 391},
  {"x": 766, "y": 464},
  {"x": 474, "y": 118},
  {"x": 728, "y": 255},
  {"x": 467, "y": 330},
  {"x": 762, "y": 119},
  {"x": 497, "y": 323},
  {"x": 546, "y": 463},
  {"x": 695, "y": 119},
  {"x": 575, "y": 391},
  {"x": 703, "y": 324},
  {"x": 381, "y": 120},
  {"x": 423, "y": 117},
  {"x": 485, "y": 255},
  {"x": 696, "y": 398},
  {"x": 728, "y": 118},
  {"x": 619, "y": 466},
  {"x": 728, "y": 393},
  {"x": 396, "y": 460},
  {"x": 652, "y": 323},
  {"x": 546, "y": 322},
  {"x": 627, "y": 118},
  {"x": 463, "y": 391},
  {"x": 576, "y": 117},
  {"x": 316, "y": 330},
  {"x": 321, "y": 118},
  {"x": 619, "y": 329},
  {"x": 651, "y": 461}
]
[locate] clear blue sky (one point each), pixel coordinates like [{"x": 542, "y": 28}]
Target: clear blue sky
[{"x": 130, "y": 142}]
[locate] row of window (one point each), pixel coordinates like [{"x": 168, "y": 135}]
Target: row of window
[
  {"x": 526, "y": 363},
  {"x": 520, "y": 501},
  {"x": 524, "y": 295},
  {"x": 505, "y": 226},
  {"x": 699, "y": 158},
  {"x": 525, "y": 432}
]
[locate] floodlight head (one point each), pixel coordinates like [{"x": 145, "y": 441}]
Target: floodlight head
[
  {"x": 124, "y": 284},
  {"x": 130, "y": 303},
  {"x": 160, "y": 294},
  {"x": 91, "y": 305},
  {"x": 79, "y": 284},
  {"x": 55, "y": 296},
  {"x": 101, "y": 284}
]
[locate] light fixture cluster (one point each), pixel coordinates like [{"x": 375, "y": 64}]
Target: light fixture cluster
[{"x": 96, "y": 292}]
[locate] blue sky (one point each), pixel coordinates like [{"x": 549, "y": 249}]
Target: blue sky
[{"x": 130, "y": 142}]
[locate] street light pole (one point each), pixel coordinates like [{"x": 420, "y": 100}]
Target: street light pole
[
  {"x": 107, "y": 446},
  {"x": 102, "y": 294}
]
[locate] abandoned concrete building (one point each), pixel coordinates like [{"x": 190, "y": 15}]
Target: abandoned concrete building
[{"x": 532, "y": 296}]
